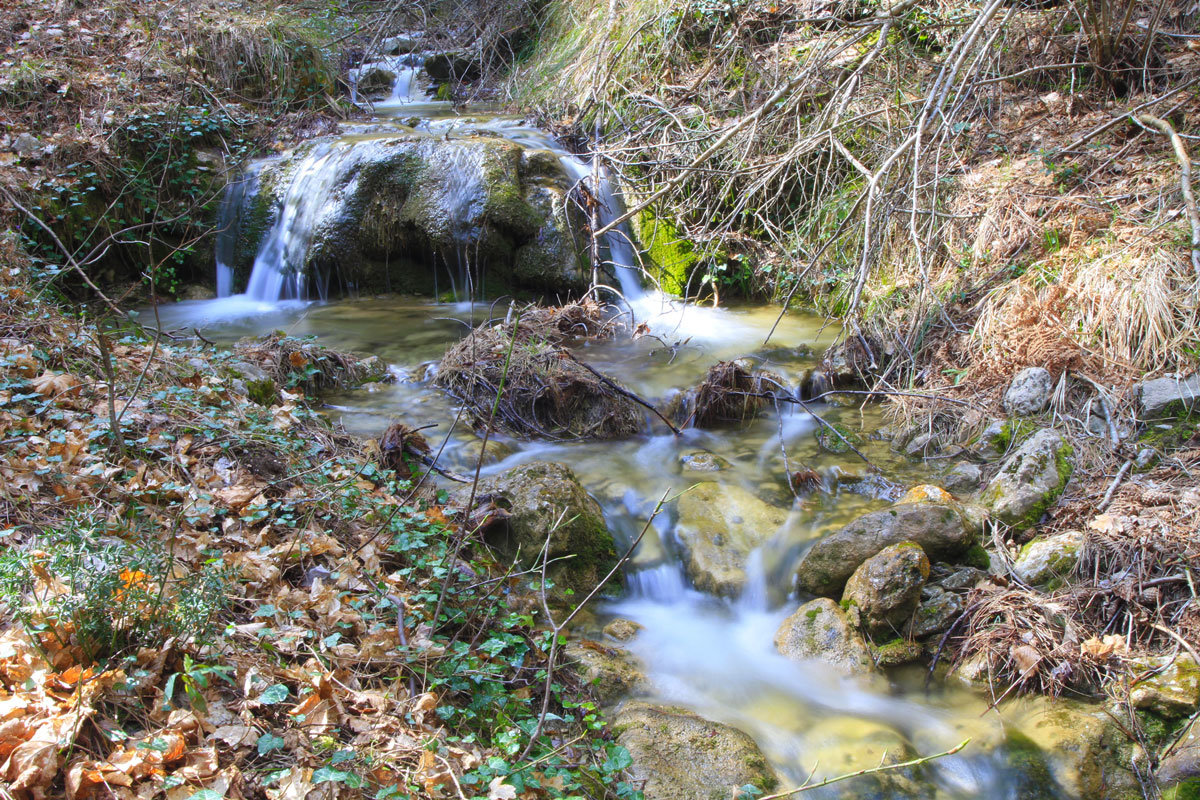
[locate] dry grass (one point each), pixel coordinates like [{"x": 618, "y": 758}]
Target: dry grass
[{"x": 519, "y": 375}]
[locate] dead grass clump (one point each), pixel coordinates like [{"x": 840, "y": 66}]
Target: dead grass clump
[
  {"x": 536, "y": 387},
  {"x": 292, "y": 362},
  {"x": 729, "y": 393}
]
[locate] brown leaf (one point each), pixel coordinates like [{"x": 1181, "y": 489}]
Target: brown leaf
[{"x": 55, "y": 384}]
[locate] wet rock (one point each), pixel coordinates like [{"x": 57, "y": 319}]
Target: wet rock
[
  {"x": 399, "y": 45},
  {"x": 927, "y": 493},
  {"x": 1172, "y": 691},
  {"x": 962, "y": 580},
  {"x": 682, "y": 756},
  {"x": 837, "y": 439},
  {"x": 467, "y": 455},
  {"x": 1030, "y": 480},
  {"x": 820, "y": 631},
  {"x": 827, "y": 746},
  {"x": 936, "y": 614},
  {"x": 719, "y": 525},
  {"x": 1163, "y": 398},
  {"x": 612, "y": 673},
  {"x": 897, "y": 653},
  {"x": 882, "y": 594},
  {"x": 702, "y": 461},
  {"x": 1087, "y": 752},
  {"x": 940, "y": 529},
  {"x": 622, "y": 629},
  {"x": 964, "y": 478},
  {"x": 1048, "y": 560},
  {"x": 540, "y": 497},
  {"x": 452, "y": 66},
  {"x": 1183, "y": 763},
  {"x": 375, "y": 81},
  {"x": 923, "y": 445},
  {"x": 404, "y": 203},
  {"x": 196, "y": 291},
  {"x": 1029, "y": 392}
]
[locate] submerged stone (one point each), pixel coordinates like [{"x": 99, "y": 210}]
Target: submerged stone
[
  {"x": 1172, "y": 689},
  {"x": 844, "y": 745},
  {"x": 820, "y": 631},
  {"x": 680, "y": 755},
  {"x": 719, "y": 525}
]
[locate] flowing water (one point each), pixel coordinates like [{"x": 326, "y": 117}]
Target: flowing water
[{"x": 712, "y": 655}]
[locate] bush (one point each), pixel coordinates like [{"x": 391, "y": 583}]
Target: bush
[{"x": 85, "y": 588}]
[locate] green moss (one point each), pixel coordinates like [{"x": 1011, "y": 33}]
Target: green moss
[
  {"x": 262, "y": 392},
  {"x": 832, "y": 442},
  {"x": 811, "y": 614},
  {"x": 1187, "y": 790},
  {"x": 672, "y": 258},
  {"x": 977, "y": 557},
  {"x": 1170, "y": 434}
]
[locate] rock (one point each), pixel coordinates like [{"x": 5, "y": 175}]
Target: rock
[
  {"x": 940, "y": 529},
  {"x": 247, "y": 371},
  {"x": 399, "y": 45},
  {"x": 1147, "y": 457},
  {"x": 375, "y": 81},
  {"x": 1048, "y": 560},
  {"x": 1172, "y": 691},
  {"x": 1164, "y": 398},
  {"x": 964, "y": 478},
  {"x": 936, "y": 614},
  {"x": 24, "y": 144},
  {"x": 719, "y": 525},
  {"x": 537, "y": 496},
  {"x": 820, "y": 631},
  {"x": 842, "y": 745},
  {"x": 1183, "y": 763},
  {"x": 1087, "y": 752},
  {"x": 923, "y": 444},
  {"x": 702, "y": 461},
  {"x": 196, "y": 291},
  {"x": 682, "y": 756},
  {"x": 622, "y": 629},
  {"x": 452, "y": 66},
  {"x": 883, "y": 592},
  {"x": 962, "y": 580},
  {"x": 1030, "y": 480},
  {"x": 1029, "y": 392},
  {"x": 995, "y": 438},
  {"x": 402, "y": 204},
  {"x": 467, "y": 455},
  {"x": 837, "y": 439},
  {"x": 612, "y": 673},
  {"x": 927, "y": 493},
  {"x": 897, "y": 653}
]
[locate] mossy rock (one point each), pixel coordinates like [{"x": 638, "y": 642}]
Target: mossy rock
[
  {"x": 837, "y": 439},
  {"x": 719, "y": 526},
  {"x": 821, "y": 631},
  {"x": 610, "y": 672},
  {"x": 672, "y": 258},
  {"x": 1030, "y": 480}
]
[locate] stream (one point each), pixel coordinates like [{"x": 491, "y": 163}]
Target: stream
[{"x": 712, "y": 655}]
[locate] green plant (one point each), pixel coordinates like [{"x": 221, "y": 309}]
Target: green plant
[
  {"x": 195, "y": 679},
  {"x": 86, "y": 587}
]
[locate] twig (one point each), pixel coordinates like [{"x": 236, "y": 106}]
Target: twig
[
  {"x": 1185, "y": 181},
  {"x": 1112, "y": 487},
  {"x": 916, "y": 762}
]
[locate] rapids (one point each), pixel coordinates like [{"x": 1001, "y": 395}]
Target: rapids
[{"x": 712, "y": 655}]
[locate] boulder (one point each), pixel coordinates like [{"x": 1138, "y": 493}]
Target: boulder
[
  {"x": 897, "y": 652},
  {"x": 1182, "y": 765},
  {"x": 679, "y": 755},
  {"x": 375, "y": 81},
  {"x": 403, "y": 207},
  {"x": 719, "y": 525},
  {"x": 1087, "y": 752},
  {"x": 622, "y": 629},
  {"x": 452, "y": 66},
  {"x": 940, "y": 529},
  {"x": 1164, "y": 398},
  {"x": 820, "y": 631},
  {"x": 612, "y": 673},
  {"x": 935, "y": 613},
  {"x": 883, "y": 592},
  {"x": 1030, "y": 480},
  {"x": 1029, "y": 392},
  {"x": 1048, "y": 560},
  {"x": 964, "y": 478},
  {"x": 536, "y": 497},
  {"x": 1172, "y": 689},
  {"x": 399, "y": 45}
]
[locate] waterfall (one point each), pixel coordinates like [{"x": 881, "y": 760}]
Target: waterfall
[{"x": 228, "y": 228}]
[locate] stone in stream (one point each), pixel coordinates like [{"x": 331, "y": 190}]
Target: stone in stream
[
  {"x": 680, "y": 755},
  {"x": 702, "y": 461},
  {"x": 820, "y": 631},
  {"x": 883, "y": 592},
  {"x": 1029, "y": 392},
  {"x": 1048, "y": 560},
  {"x": 611, "y": 672},
  {"x": 964, "y": 478},
  {"x": 941, "y": 529},
  {"x": 399, "y": 204},
  {"x": 935, "y": 613},
  {"x": 719, "y": 525},
  {"x": 543, "y": 499},
  {"x": 376, "y": 81},
  {"x": 1172, "y": 688},
  {"x": 622, "y": 629},
  {"x": 1030, "y": 480},
  {"x": 837, "y": 746}
]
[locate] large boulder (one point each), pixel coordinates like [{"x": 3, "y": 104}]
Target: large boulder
[
  {"x": 1030, "y": 480},
  {"x": 1029, "y": 392},
  {"x": 820, "y": 631},
  {"x": 883, "y": 593},
  {"x": 543, "y": 499},
  {"x": 719, "y": 525},
  {"x": 680, "y": 755},
  {"x": 408, "y": 213},
  {"x": 941, "y": 530}
]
